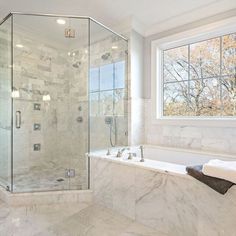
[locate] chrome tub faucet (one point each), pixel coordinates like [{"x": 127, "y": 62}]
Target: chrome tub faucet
[
  {"x": 142, "y": 157},
  {"x": 121, "y": 151},
  {"x": 131, "y": 155}
]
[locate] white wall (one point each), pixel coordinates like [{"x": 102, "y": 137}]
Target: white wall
[{"x": 136, "y": 122}]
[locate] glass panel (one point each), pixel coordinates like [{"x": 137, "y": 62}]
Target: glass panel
[
  {"x": 120, "y": 74},
  {"x": 198, "y": 98},
  {"x": 205, "y": 97},
  {"x": 106, "y": 77},
  {"x": 109, "y": 53},
  {"x": 119, "y": 104},
  {"x": 5, "y": 103},
  {"x": 229, "y": 96},
  {"x": 51, "y": 75},
  {"x": 106, "y": 103},
  {"x": 204, "y": 94},
  {"x": 176, "y": 99},
  {"x": 94, "y": 79},
  {"x": 176, "y": 64},
  {"x": 94, "y": 104},
  {"x": 205, "y": 59},
  {"x": 229, "y": 54}
]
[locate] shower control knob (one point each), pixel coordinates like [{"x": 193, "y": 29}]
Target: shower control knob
[{"x": 79, "y": 119}]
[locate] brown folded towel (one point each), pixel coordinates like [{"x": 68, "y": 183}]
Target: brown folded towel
[{"x": 219, "y": 185}]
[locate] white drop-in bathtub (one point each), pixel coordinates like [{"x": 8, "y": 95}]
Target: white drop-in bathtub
[{"x": 164, "y": 159}]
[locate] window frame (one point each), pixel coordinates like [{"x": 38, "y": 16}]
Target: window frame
[{"x": 157, "y": 90}]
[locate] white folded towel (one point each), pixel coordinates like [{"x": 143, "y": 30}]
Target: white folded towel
[{"x": 221, "y": 169}]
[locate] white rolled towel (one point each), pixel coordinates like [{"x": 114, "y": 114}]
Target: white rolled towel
[{"x": 221, "y": 169}]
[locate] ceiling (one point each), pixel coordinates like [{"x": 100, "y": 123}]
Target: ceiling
[{"x": 153, "y": 15}]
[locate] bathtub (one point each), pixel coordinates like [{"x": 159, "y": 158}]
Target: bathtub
[
  {"x": 158, "y": 192},
  {"x": 164, "y": 159}
]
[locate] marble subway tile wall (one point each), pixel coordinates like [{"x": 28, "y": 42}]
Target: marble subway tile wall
[
  {"x": 46, "y": 77},
  {"x": 212, "y": 139}
]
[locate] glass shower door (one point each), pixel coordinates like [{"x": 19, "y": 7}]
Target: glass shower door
[
  {"x": 5, "y": 104},
  {"x": 50, "y": 103}
]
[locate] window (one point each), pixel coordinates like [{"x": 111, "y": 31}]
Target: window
[
  {"x": 107, "y": 89},
  {"x": 199, "y": 79}
]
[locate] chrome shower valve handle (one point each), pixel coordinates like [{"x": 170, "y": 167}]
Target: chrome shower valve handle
[{"x": 108, "y": 152}]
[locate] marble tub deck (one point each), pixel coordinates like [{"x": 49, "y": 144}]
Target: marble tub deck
[{"x": 68, "y": 220}]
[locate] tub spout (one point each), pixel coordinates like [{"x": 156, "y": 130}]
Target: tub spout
[
  {"x": 142, "y": 157},
  {"x": 120, "y": 152}
]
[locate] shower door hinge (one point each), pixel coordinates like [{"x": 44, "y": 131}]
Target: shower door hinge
[{"x": 70, "y": 173}]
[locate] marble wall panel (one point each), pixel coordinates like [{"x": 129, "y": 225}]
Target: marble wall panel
[{"x": 173, "y": 205}]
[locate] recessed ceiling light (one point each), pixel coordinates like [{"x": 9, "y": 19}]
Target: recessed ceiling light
[
  {"x": 61, "y": 21},
  {"x": 114, "y": 47},
  {"x": 19, "y": 46}
]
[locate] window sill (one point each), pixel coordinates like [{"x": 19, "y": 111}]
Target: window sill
[{"x": 198, "y": 122}]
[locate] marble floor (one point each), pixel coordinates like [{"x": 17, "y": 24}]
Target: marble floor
[
  {"x": 47, "y": 178},
  {"x": 68, "y": 220}
]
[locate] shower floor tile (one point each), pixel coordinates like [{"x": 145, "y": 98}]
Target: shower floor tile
[
  {"x": 47, "y": 179},
  {"x": 68, "y": 220}
]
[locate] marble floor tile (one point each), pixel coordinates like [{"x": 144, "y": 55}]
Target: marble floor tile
[
  {"x": 48, "y": 178},
  {"x": 75, "y": 219}
]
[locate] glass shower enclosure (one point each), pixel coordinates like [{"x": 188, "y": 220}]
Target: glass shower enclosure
[{"x": 63, "y": 93}]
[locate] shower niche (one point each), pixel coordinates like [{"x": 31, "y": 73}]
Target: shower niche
[{"x": 61, "y": 79}]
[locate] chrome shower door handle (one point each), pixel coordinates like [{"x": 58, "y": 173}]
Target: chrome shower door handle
[{"x": 18, "y": 119}]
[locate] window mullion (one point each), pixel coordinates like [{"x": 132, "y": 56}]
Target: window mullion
[
  {"x": 188, "y": 98},
  {"x": 113, "y": 74},
  {"x": 221, "y": 64}
]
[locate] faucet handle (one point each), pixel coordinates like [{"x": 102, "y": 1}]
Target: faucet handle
[
  {"x": 119, "y": 153},
  {"x": 108, "y": 152},
  {"x": 142, "y": 156},
  {"x": 131, "y": 155}
]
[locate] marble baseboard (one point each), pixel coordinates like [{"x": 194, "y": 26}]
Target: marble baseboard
[
  {"x": 173, "y": 205},
  {"x": 43, "y": 198}
]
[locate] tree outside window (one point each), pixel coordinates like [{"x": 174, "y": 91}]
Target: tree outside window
[{"x": 199, "y": 79}]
